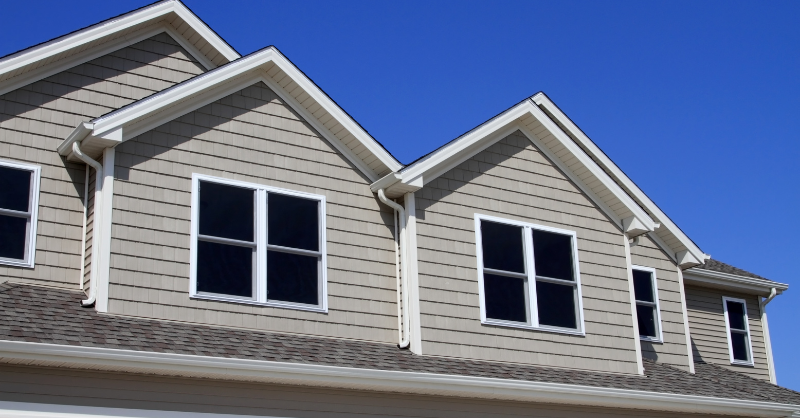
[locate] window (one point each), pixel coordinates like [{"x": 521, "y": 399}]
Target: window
[
  {"x": 19, "y": 201},
  {"x": 645, "y": 290},
  {"x": 739, "y": 346},
  {"x": 528, "y": 276},
  {"x": 257, "y": 244}
]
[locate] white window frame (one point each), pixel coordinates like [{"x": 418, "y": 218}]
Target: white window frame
[
  {"x": 659, "y": 330},
  {"x": 260, "y": 270},
  {"x": 750, "y": 362},
  {"x": 32, "y": 215},
  {"x": 530, "y": 277}
]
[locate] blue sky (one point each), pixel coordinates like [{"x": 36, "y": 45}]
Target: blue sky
[{"x": 696, "y": 101}]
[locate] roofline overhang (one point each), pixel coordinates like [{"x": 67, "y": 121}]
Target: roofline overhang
[
  {"x": 744, "y": 284},
  {"x": 127, "y": 122},
  {"x": 97, "y": 31},
  {"x": 378, "y": 380}
]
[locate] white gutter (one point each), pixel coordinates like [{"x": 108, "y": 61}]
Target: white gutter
[
  {"x": 430, "y": 384},
  {"x": 762, "y": 304},
  {"x": 727, "y": 280},
  {"x": 98, "y": 168},
  {"x": 402, "y": 284}
]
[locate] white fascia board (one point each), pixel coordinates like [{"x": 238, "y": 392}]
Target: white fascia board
[
  {"x": 98, "y": 31},
  {"x": 381, "y": 380},
  {"x": 732, "y": 281},
  {"x": 627, "y": 183},
  {"x": 490, "y": 132},
  {"x": 44, "y": 410}
]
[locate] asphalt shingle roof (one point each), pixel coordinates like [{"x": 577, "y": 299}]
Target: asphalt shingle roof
[
  {"x": 54, "y": 316},
  {"x": 715, "y": 265}
]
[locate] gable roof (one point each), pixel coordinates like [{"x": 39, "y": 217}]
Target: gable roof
[
  {"x": 267, "y": 65},
  {"x": 48, "y": 326},
  {"x": 56, "y": 55},
  {"x": 572, "y": 152}
]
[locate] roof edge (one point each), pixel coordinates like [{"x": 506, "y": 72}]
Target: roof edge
[
  {"x": 733, "y": 281},
  {"x": 381, "y": 380}
]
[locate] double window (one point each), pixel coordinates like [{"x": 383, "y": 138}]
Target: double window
[
  {"x": 528, "y": 275},
  {"x": 739, "y": 347},
  {"x": 257, "y": 244},
  {"x": 648, "y": 314},
  {"x": 19, "y": 200}
]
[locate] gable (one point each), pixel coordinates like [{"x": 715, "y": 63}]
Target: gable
[{"x": 169, "y": 16}]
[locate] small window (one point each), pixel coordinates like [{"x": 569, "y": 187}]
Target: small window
[
  {"x": 528, "y": 276},
  {"x": 258, "y": 244},
  {"x": 19, "y": 197},
  {"x": 738, "y": 328},
  {"x": 648, "y": 314}
]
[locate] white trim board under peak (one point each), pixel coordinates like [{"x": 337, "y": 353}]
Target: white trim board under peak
[
  {"x": 431, "y": 384},
  {"x": 153, "y": 13},
  {"x": 132, "y": 120}
]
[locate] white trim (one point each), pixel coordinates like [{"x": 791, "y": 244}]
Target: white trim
[
  {"x": 125, "y": 22},
  {"x": 625, "y": 181},
  {"x": 104, "y": 239},
  {"x": 43, "y": 410},
  {"x": 384, "y": 380},
  {"x": 733, "y": 282},
  {"x": 637, "y": 342},
  {"x": 685, "y": 313},
  {"x": 768, "y": 345},
  {"x": 29, "y": 259},
  {"x": 260, "y": 229},
  {"x": 652, "y": 271},
  {"x": 725, "y": 300},
  {"x": 532, "y": 322},
  {"x": 413, "y": 274}
]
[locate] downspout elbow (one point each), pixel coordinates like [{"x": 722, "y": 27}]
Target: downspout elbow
[
  {"x": 76, "y": 149},
  {"x": 402, "y": 289},
  {"x": 772, "y": 293}
]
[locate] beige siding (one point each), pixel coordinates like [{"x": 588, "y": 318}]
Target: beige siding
[
  {"x": 674, "y": 349},
  {"x": 511, "y": 179},
  {"x": 251, "y": 136},
  {"x": 36, "y": 118},
  {"x": 87, "y": 258},
  {"x": 708, "y": 333},
  {"x": 101, "y": 389}
]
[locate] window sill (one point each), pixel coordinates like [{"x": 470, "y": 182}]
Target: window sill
[
  {"x": 16, "y": 263},
  {"x": 270, "y": 304},
  {"x": 533, "y": 328},
  {"x": 652, "y": 339},
  {"x": 742, "y": 363}
]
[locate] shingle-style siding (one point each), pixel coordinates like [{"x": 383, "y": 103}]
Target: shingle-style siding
[
  {"x": 88, "y": 245},
  {"x": 203, "y": 396},
  {"x": 36, "y": 118},
  {"x": 512, "y": 179},
  {"x": 708, "y": 332},
  {"x": 252, "y": 136},
  {"x": 674, "y": 349}
]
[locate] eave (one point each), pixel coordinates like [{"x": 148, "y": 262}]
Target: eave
[
  {"x": 268, "y": 66},
  {"x": 732, "y": 282},
  {"x": 377, "y": 380},
  {"x": 171, "y": 16}
]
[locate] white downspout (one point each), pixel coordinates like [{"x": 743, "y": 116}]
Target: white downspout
[
  {"x": 83, "y": 236},
  {"x": 98, "y": 168},
  {"x": 402, "y": 274},
  {"x": 765, "y": 329}
]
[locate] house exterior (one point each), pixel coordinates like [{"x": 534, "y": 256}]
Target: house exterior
[{"x": 185, "y": 230}]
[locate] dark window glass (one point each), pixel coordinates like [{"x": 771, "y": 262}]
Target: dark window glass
[
  {"x": 224, "y": 269},
  {"x": 643, "y": 285},
  {"x": 505, "y": 298},
  {"x": 739, "y": 343},
  {"x": 292, "y": 278},
  {"x": 736, "y": 315},
  {"x": 12, "y": 237},
  {"x": 15, "y": 188},
  {"x": 502, "y": 247},
  {"x": 646, "y": 316},
  {"x": 226, "y": 211},
  {"x": 556, "y": 304},
  {"x": 553, "y": 255},
  {"x": 293, "y": 222}
]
